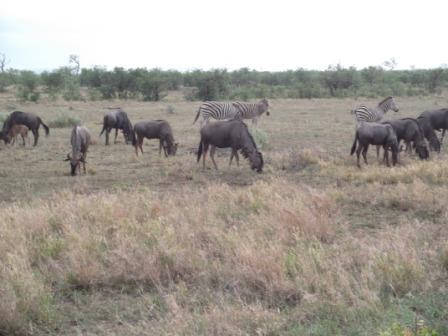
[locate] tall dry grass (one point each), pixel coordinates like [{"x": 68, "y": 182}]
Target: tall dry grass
[{"x": 249, "y": 252}]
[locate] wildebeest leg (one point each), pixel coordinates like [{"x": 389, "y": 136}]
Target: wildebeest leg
[
  {"x": 237, "y": 159},
  {"x": 443, "y": 134},
  {"x": 204, "y": 154},
  {"x": 23, "y": 139},
  {"x": 212, "y": 155},
  {"x": 386, "y": 155},
  {"x": 36, "y": 136},
  {"x": 107, "y": 136},
  {"x": 378, "y": 152},
  {"x": 160, "y": 146},
  {"x": 358, "y": 152},
  {"x": 116, "y": 135},
  {"x": 364, "y": 153}
]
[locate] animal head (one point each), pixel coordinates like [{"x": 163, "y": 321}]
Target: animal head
[
  {"x": 5, "y": 137},
  {"x": 422, "y": 151},
  {"x": 256, "y": 161},
  {"x": 264, "y": 106},
  {"x": 75, "y": 162},
  {"x": 171, "y": 148},
  {"x": 393, "y": 105}
]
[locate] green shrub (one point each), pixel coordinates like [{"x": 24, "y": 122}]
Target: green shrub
[
  {"x": 64, "y": 121},
  {"x": 261, "y": 138}
]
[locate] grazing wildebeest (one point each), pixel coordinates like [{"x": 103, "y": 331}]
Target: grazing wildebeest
[
  {"x": 80, "y": 141},
  {"x": 14, "y": 131},
  {"x": 117, "y": 119},
  {"x": 233, "y": 134},
  {"x": 157, "y": 129},
  {"x": 438, "y": 120},
  {"x": 371, "y": 133},
  {"x": 429, "y": 133},
  {"x": 28, "y": 119},
  {"x": 409, "y": 130}
]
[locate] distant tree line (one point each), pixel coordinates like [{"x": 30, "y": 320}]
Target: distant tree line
[{"x": 75, "y": 83}]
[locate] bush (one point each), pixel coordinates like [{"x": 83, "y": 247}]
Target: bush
[
  {"x": 261, "y": 138},
  {"x": 27, "y": 86},
  {"x": 64, "y": 121}
]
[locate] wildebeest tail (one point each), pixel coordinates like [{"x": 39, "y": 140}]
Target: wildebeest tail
[
  {"x": 197, "y": 115},
  {"x": 47, "y": 129},
  {"x": 199, "y": 150},
  {"x": 354, "y": 144}
]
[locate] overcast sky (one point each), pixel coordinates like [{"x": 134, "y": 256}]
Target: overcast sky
[{"x": 200, "y": 34}]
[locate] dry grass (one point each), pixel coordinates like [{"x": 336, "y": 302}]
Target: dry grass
[{"x": 148, "y": 245}]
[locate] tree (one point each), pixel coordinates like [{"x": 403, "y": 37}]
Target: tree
[{"x": 3, "y": 62}]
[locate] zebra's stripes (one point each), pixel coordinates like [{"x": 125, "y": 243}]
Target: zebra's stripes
[
  {"x": 375, "y": 114},
  {"x": 252, "y": 111},
  {"x": 216, "y": 110}
]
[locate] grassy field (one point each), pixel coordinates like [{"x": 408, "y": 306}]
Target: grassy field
[{"x": 153, "y": 246}]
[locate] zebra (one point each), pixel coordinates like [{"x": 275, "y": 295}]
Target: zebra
[
  {"x": 216, "y": 110},
  {"x": 363, "y": 113},
  {"x": 252, "y": 111}
]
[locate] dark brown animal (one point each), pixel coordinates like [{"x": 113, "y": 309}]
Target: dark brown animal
[
  {"x": 14, "y": 131},
  {"x": 233, "y": 134},
  {"x": 80, "y": 141},
  {"x": 156, "y": 129},
  {"x": 117, "y": 119},
  {"x": 371, "y": 133},
  {"x": 30, "y": 120}
]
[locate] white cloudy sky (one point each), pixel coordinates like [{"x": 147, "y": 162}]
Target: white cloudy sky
[{"x": 201, "y": 34}]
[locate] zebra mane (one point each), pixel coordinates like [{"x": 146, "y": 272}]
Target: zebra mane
[{"x": 384, "y": 100}]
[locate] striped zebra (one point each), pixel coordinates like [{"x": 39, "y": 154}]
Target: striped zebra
[
  {"x": 252, "y": 111},
  {"x": 216, "y": 110},
  {"x": 375, "y": 114}
]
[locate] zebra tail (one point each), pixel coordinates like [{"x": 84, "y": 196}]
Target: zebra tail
[
  {"x": 354, "y": 144},
  {"x": 200, "y": 150},
  {"x": 197, "y": 115}
]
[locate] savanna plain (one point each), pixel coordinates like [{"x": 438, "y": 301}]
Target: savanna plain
[{"x": 153, "y": 246}]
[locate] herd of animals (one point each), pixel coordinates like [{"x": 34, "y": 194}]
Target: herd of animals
[{"x": 231, "y": 132}]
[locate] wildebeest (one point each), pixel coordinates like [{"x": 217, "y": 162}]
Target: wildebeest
[
  {"x": 429, "y": 133},
  {"x": 80, "y": 141},
  {"x": 14, "y": 131},
  {"x": 438, "y": 120},
  {"x": 28, "y": 119},
  {"x": 117, "y": 119},
  {"x": 409, "y": 130},
  {"x": 156, "y": 129},
  {"x": 371, "y": 133},
  {"x": 233, "y": 134}
]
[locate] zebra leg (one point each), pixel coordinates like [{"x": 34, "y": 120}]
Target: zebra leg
[
  {"x": 255, "y": 121},
  {"x": 212, "y": 155}
]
